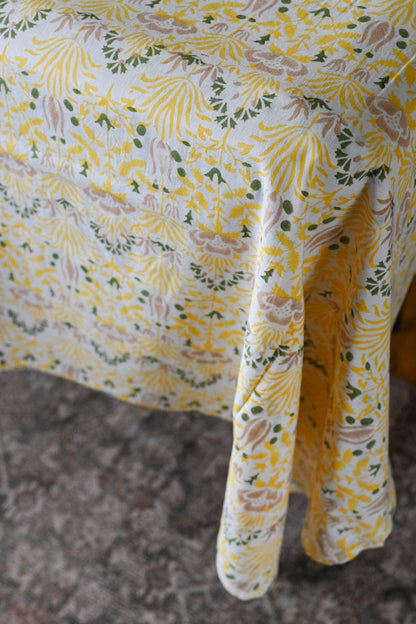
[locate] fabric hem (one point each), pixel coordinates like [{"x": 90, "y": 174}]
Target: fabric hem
[{"x": 241, "y": 595}]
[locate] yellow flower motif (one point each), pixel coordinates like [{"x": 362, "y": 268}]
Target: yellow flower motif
[
  {"x": 166, "y": 100},
  {"x": 61, "y": 63}
]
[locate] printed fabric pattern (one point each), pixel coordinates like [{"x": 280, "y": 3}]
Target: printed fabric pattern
[{"x": 211, "y": 206}]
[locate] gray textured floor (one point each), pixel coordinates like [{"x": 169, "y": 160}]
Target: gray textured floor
[{"x": 109, "y": 515}]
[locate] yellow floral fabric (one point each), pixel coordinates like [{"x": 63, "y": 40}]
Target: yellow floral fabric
[{"x": 211, "y": 206}]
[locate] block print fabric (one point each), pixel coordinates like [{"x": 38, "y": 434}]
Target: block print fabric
[{"x": 211, "y": 206}]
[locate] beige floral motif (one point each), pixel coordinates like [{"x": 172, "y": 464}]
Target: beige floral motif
[
  {"x": 109, "y": 203},
  {"x": 111, "y": 332},
  {"x": 151, "y": 202},
  {"x": 272, "y": 531},
  {"x": 172, "y": 210},
  {"x": 54, "y": 114},
  {"x": 219, "y": 27},
  {"x": 390, "y": 119},
  {"x": 242, "y": 35},
  {"x": 75, "y": 215},
  {"x": 299, "y": 107},
  {"x": 16, "y": 167},
  {"x": 344, "y": 337},
  {"x": 379, "y": 505},
  {"x": 331, "y": 121},
  {"x": 272, "y": 213},
  {"x": 147, "y": 247},
  {"x": 51, "y": 207},
  {"x": 386, "y": 207},
  {"x": 67, "y": 301},
  {"x": 166, "y": 25},
  {"x": 176, "y": 60},
  {"x": 66, "y": 167},
  {"x": 161, "y": 159},
  {"x": 259, "y": 499},
  {"x": 31, "y": 298},
  {"x": 174, "y": 258},
  {"x": 59, "y": 213},
  {"x": 328, "y": 504},
  {"x": 255, "y": 432},
  {"x": 293, "y": 360},
  {"x": 259, "y": 7},
  {"x": 362, "y": 75},
  {"x": 279, "y": 310},
  {"x": 207, "y": 73},
  {"x": 48, "y": 159},
  {"x": 325, "y": 237},
  {"x": 218, "y": 244},
  {"x": 92, "y": 29},
  {"x": 377, "y": 34},
  {"x": 70, "y": 271},
  {"x": 355, "y": 434},
  {"x": 329, "y": 548},
  {"x": 337, "y": 65},
  {"x": 275, "y": 64},
  {"x": 159, "y": 307},
  {"x": 202, "y": 356},
  {"x": 64, "y": 20}
]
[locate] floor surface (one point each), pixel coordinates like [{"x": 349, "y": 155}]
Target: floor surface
[{"x": 109, "y": 515}]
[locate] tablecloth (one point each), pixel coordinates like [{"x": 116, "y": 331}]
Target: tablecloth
[{"x": 210, "y": 206}]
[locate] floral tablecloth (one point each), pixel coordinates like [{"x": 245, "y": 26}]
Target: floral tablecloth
[{"x": 211, "y": 206}]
